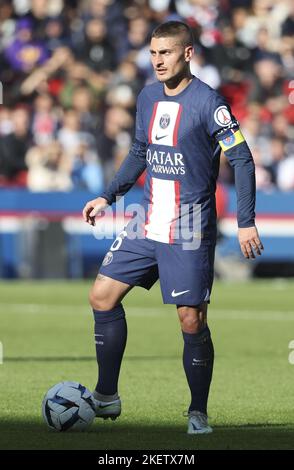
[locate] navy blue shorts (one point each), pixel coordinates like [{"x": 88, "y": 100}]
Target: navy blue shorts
[{"x": 185, "y": 276}]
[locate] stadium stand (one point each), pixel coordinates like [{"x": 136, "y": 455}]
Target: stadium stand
[{"x": 70, "y": 72}]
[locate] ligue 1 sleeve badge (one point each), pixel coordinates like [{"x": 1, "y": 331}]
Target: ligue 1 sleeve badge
[{"x": 222, "y": 116}]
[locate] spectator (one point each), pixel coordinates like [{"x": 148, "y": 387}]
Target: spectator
[
  {"x": 7, "y": 23},
  {"x": 6, "y": 125},
  {"x": 127, "y": 74},
  {"x": 285, "y": 174},
  {"x": 262, "y": 175},
  {"x": 78, "y": 146},
  {"x": 48, "y": 168},
  {"x": 286, "y": 51},
  {"x": 87, "y": 172},
  {"x": 278, "y": 154},
  {"x": 25, "y": 53},
  {"x": 78, "y": 75},
  {"x": 115, "y": 132},
  {"x": 95, "y": 50},
  {"x": 208, "y": 73},
  {"x": 55, "y": 34},
  {"x": 84, "y": 102},
  {"x": 137, "y": 33},
  {"x": 280, "y": 127},
  {"x": 13, "y": 148},
  {"x": 264, "y": 46},
  {"x": 44, "y": 121},
  {"x": 256, "y": 134},
  {"x": 230, "y": 56},
  {"x": 268, "y": 85},
  {"x": 287, "y": 28}
]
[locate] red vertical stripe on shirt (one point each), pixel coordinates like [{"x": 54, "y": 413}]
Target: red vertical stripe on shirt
[
  {"x": 176, "y": 213},
  {"x": 151, "y": 123},
  {"x": 176, "y": 128},
  {"x": 149, "y": 211}
]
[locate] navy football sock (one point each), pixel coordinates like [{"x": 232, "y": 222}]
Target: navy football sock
[
  {"x": 198, "y": 358},
  {"x": 110, "y": 339}
]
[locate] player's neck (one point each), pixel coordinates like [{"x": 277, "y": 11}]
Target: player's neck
[{"x": 176, "y": 85}]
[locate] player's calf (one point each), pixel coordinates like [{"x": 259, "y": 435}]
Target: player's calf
[{"x": 110, "y": 341}]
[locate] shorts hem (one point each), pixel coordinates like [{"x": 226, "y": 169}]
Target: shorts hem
[
  {"x": 187, "y": 304},
  {"x": 124, "y": 280}
]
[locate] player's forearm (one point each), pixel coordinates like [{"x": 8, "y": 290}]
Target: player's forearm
[
  {"x": 241, "y": 160},
  {"x": 130, "y": 170},
  {"x": 245, "y": 189}
]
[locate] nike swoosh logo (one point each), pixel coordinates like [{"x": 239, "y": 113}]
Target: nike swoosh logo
[
  {"x": 175, "y": 294},
  {"x": 207, "y": 295},
  {"x": 105, "y": 406},
  {"x": 159, "y": 137}
]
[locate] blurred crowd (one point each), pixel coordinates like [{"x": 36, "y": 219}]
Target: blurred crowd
[{"x": 71, "y": 70}]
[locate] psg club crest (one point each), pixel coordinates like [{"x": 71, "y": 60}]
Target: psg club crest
[
  {"x": 164, "y": 121},
  {"x": 107, "y": 259}
]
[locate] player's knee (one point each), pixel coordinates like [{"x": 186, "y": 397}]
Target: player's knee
[
  {"x": 99, "y": 300},
  {"x": 192, "y": 325},
  {"x": 192, "y": 319}
]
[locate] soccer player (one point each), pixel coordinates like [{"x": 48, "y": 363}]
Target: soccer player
[{"x": 181, "y": 126}]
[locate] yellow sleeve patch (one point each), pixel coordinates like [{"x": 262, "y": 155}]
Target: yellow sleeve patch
[{"x": 230, "y": 141}]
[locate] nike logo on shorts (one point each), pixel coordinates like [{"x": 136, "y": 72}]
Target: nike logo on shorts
[
  {"x": 207, "y": 296},
  {"x": 175, "y": 294}
]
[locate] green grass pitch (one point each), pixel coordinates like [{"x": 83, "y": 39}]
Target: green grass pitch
[{"x": 46, "y": 330}]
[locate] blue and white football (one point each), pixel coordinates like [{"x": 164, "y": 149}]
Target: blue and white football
[{"x": 68, "y": 406}]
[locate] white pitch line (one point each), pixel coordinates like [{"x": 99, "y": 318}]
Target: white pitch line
[{"x": 214, "y": 313}]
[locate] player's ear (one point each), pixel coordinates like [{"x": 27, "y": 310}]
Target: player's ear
[{"x": 189, "y": 51}]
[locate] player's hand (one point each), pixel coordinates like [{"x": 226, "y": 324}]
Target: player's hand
[
  {"x": 250, "y": 242},
  {"x": 92, "y": 208}
]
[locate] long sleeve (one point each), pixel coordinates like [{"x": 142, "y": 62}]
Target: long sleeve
[
  {"x": 130, "y": 170},
  {"x": 241, "y": 160},
  {"x": 224, "y": 128}
]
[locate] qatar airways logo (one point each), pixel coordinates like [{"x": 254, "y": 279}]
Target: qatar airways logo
[{"x": 168, "y": 163}]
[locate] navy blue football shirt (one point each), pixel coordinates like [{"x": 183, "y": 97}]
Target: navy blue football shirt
[{"x": 179, "y": 140}]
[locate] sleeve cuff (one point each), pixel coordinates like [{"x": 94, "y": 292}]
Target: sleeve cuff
[
  {"x": 107, "y": 197},
  {"x": 246, "y": 224}
]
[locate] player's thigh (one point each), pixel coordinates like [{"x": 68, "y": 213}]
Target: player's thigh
[
  {"x": 106, "y": 292},
  {"x": 131, "y": 261},
  {"x": 186, "y": 276},
  {"x": 128, "y": 263}
]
